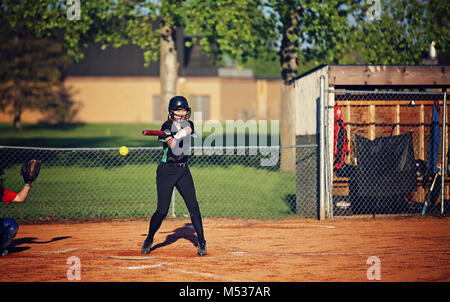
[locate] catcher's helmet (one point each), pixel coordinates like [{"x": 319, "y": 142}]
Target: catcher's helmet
[{"x": 179, "y": 103}]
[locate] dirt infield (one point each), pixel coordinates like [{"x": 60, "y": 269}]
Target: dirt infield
[{"x": 290, "y": 250}]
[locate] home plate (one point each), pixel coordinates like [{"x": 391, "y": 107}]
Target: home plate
[{"x": 135, "y": 258}]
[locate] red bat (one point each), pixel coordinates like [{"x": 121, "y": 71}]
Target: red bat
[{"x": 153, "y": 132}]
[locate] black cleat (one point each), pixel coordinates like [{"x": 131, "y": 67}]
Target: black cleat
[
  {"x": 201, "y": 248},
  {"x": 146, "y": 247}
]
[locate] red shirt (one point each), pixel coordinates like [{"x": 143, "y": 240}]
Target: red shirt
[{"x": 7, "y": 196}]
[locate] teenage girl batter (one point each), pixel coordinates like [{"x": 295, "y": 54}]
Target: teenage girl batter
[{"x": 173, "y": 171}]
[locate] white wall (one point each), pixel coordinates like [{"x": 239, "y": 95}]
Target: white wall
[{"x": 307, "y": 93}]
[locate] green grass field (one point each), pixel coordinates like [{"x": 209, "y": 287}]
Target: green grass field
[
  {"x": 78, "y": 135},
  {"x": 130, "y": 191},
  {"x": 90, "y": 135},
  {"x": 86, "y": 184}
]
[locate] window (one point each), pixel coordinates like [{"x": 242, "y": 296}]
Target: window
[{"x": 200, "y": 103}]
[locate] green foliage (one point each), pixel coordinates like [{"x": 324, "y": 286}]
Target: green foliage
[
  {"x": 438, "y": 25},
  {"x": 335, "y": 31},
  {"x": 325, "y": 29},
  {"x": 270, "y": 67},
  {"x": 237, "y": 29},
  {"x": 111, "y": 23},
  {"x": 264, "y": 66},
  {"x": 318, "y": 30},
  {"x": 339, "y": 31},
  {"x": 401, "y": 36}
]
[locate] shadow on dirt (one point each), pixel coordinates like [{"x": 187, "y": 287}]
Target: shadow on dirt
[
  {"x": 16, "y": 245},
  {"x": 185, "y": 232}
]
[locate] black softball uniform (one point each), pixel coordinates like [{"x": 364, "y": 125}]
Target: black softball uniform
[{"x": 172, "y": 172}]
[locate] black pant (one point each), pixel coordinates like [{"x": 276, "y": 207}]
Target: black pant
[{"x": 168, "y": 176}]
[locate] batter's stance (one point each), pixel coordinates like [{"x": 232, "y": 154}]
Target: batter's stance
[
  {"x": 8, "y": 226},
  {"x": 173, "y": 171}
]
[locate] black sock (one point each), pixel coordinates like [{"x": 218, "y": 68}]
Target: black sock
[
  {"x": 198, "y": 226},
  {"x": 155, "y": 223}
]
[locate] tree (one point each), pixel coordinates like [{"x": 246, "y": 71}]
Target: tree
[
  {"x": 289, "y": 13},
  {"x": 240, "y": 29},
  {"x": 280, "y": 24},
  {"x": 319, "y": 31},
  {"x": 263, "y": 67},
  {"x": 151, "y": 25},
  {"x": 401, "y": 35},
  {"x": 30, "y": 72}
]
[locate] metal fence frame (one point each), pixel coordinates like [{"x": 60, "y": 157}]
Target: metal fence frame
[
  {"x": 326, "y": 171},
  {"x": 61, "y": 161},
  {"x": 319, "y": 206}
]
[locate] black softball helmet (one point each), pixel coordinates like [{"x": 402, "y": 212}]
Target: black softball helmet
[{"x": 178, "y": 103}]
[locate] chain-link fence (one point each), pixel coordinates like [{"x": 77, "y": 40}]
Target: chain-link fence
[
  {"x": 99, "y": 182},
  {"x": 397, "y": 143}
]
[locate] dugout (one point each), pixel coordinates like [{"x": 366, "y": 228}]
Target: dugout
[{"x": 370, "y": 115}]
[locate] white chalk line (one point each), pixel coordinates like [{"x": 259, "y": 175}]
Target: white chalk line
[
  {"x": 263, "y": 254},
  {"x": 74, "y": 249},
  {"x": 249, "y": 254},
  {"x": 275, "y": 226},
  {"x": 165, "y": 266},
  {"x": 138, "y": 267},
  {"x": 209, "y": 275},
  {"x": 297, "y": 225},
  {"x": 63, "y": 251},
  {"x": 142, "y": 266},
  {"x": 374, "y": 253}
]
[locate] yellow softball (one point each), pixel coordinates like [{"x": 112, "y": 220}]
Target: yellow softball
[{"x": 123, "y": 150}]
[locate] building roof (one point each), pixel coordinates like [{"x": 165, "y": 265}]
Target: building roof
[
  {"x": 128, "y": 60},
  {"x": 385, "y": 75}
]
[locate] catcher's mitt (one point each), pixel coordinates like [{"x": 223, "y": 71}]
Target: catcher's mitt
[{"x": 30, "y": 170}]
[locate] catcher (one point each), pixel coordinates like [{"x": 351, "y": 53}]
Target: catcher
[
  {"x": 8, "y": 226},
  {"x": 173, "y": 171}
]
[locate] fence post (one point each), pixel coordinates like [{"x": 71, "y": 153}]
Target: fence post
[
  {"x": 322, "y": 150},
  {"x": 173, "y": 203},
  {"x": 328, "y": 161},
  {"x": 443, "y": 144}
]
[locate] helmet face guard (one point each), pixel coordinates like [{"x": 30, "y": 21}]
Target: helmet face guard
[
  {"x": 179, "y": 103},
  {"x": 183, "y": 117}
]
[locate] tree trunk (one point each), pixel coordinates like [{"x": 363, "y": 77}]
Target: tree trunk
[
  {"x": 287, "y": 131},
  {"x": 168, "y": 68},
  {"x": 289, "y": 67},
  {"x": 17, "y": 124}
]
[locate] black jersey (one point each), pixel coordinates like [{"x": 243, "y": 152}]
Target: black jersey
[{"x": 180, "y": 153}]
